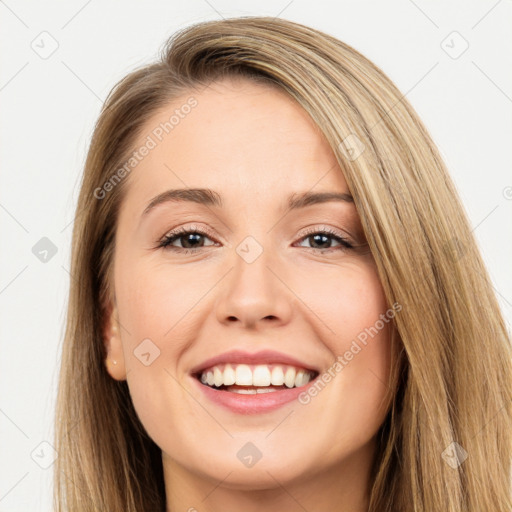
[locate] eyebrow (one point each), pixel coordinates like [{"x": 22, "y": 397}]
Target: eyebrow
[{"x": 209, "y": 197}]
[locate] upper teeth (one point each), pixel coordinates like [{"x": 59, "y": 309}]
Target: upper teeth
[{"x": 259, "y": 375}]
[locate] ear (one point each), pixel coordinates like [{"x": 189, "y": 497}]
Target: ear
[{"x": 114, "y": 361}]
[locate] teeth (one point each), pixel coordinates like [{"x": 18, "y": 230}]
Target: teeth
[
  {"x": 259, "y": 375},
  {"x": 253, "y": 391},
  {"x": 277, "y": 376},
  {"x": 246, "y": 391},
  {"x": 266, "y": 390},
  {"x": 300, "y": 378},
  {"x": 218, "y": 377},
  {"x": 229, "y": 375},
  {"x": 243, "y": 375},
  {"x": 289, "y": 377}
]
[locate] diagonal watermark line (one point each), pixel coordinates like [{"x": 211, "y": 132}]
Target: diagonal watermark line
[
  {"x": 287, "y": 492},
  {"x": 75, "y": 216},
  {"x": 387, "y": 165},
  {"x": 73, "y": 426},
  {"x": 489, "y": 421},
  {"x": 75, "y": 15},
  {"x": 14, "y": 423},
  {"x": 404, "y": 95},
  {"x": 488, "y": 278},
  {"x": 425, "y": 14},
  {"x": 391, "y": 391},
  {"x": 211, "y": 211},
  {"x": 13, "y": 13},
  {"x": 82, "y": 81},
  {"x": 69, "y": 273},
  {"x": 67, "y": 225},
  {"x": 283, "y": 9},
  {"x": 217, "y": 486},
  {"x": 214, "y": 9},
  {"x": 314, "y": 185},
  {"x": 201, "y": 298},
  {"x": 280, "y": 423},
  {"x": 84, "y": 493},
  {"x": 485, "y": 218},
  {"x": 122, "y": 326},
  {"x": 117, "y": 318},
  {"x": 14, "y": 76},
  {"x": 385, "y": 384},
  {"x": 14, "y": 218},
  {"x": 501, "y": 295},
  {"x": 492, "y": 81},
  {"x": 199, "y": 403},
  {"x": 17, "y": 483},
  {"x": 300, "y": 299},
  {"x": 486, "y": 14},
  {"x": 13, "y": 279}
]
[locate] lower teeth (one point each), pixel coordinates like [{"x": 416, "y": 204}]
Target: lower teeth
[
  {"x": 252, "y": 391},
  {"x": 246, "y": 390}
]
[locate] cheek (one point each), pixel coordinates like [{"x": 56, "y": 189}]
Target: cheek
[
  {"x": 338, "y": 305},
  {"x": 355, "y": 327},
  {"x": 157, "y": 301},
  {"x": 158, "y": 307},
  {"x": 347, "y": 299}
]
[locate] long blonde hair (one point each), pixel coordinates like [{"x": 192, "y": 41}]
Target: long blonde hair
[{"x": 446, "y": 442}]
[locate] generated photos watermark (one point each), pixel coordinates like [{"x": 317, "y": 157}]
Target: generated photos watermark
[
  {"x": 343, "y": 360},
  {"x": 156, "y": 136}
]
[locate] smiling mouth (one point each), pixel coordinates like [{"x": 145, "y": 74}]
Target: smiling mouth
[{"x": 255, "y": 379}]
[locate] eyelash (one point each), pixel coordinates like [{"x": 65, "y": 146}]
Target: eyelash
[{"x": 166, "y": 242}]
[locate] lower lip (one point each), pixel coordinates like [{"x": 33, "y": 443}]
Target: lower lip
[{"x": 252, "y": 404}]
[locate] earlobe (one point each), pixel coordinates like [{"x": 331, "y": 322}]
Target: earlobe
[{"x": 114, "y": 360}]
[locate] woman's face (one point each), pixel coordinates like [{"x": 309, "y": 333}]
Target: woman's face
[{"x": 285, "y": 287}]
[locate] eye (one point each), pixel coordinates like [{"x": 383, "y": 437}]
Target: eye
[
  {"x": 190, "y": 240},
  {"x": 321, "y": 240}
]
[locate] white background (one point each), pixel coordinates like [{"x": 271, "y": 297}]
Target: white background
[{"x": 49, "y": 106}]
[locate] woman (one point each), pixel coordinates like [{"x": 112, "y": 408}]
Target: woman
[{"x": 277, "y": 300}]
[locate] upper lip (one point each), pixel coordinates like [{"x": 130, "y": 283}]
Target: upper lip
[{"x": 262, "y": 357}]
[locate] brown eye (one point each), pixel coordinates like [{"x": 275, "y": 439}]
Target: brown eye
[
  {"x": 188, "y": 240},
  {"x": 323, "y": 240}
]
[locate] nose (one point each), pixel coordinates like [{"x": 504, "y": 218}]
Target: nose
[{"x": 254, "y": 294}]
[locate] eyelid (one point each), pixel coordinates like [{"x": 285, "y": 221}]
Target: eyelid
[
  {"x": 189, "y": 228},
  {"x": 328, "y": 229},
  {"x": 345, "y": 242},
  {"x": 207, "y": 231}
]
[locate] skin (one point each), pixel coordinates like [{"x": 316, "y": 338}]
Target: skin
[{"x": 254, "y": 146}]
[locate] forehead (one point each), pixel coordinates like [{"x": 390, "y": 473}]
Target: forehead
[{"x": 241, "y": 138}]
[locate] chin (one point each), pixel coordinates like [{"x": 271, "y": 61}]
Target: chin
[{"x": 267, "y": 472}]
